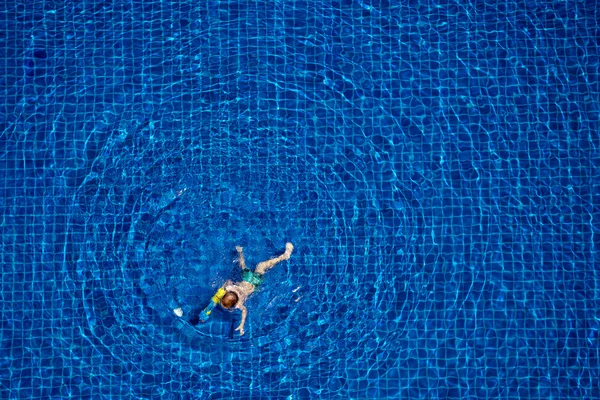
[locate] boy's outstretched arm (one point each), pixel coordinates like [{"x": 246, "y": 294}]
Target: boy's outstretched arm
[
  {"x": 227, "y": 283},
  {"x": 241, "y": 259},
  {"x": 244, "y": 314}
]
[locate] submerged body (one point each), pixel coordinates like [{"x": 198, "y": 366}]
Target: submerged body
[
  {"x": 242, "y": 290},
  {"x": 236, "y": 293}
]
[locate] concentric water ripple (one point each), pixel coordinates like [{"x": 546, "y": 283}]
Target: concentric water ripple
[{"x": 160, "y": 228}]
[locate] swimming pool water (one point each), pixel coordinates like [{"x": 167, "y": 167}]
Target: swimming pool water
[{"x": 435, "y": 164}]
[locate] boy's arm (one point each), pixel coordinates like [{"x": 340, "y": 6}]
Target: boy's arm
[
  {"x": 241, "y": 257},
  {"x": 227, "y": 283},
  {"x": 244, "y": 314}
]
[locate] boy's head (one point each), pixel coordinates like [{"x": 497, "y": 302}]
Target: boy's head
[{"x": 229, "y": 300}]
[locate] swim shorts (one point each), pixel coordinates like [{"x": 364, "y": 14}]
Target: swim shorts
[{"x": 252, "y": 277}]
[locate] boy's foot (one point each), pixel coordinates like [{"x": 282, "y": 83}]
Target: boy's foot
[
  {"x": 288, "y": 251},
  {"x": 178, "y": 312}
]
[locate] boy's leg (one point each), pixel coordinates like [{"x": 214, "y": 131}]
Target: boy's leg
[
  {"x": 262, "y": 267},
  {"x": 241, "y": 257}
]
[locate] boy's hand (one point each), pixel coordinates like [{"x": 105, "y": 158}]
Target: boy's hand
[
  {"x": 239, "y": 249},
  {"x": 241, "y": 329}
]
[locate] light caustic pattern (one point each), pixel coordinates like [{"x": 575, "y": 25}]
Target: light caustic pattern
[{"x": 435, "y": 164}]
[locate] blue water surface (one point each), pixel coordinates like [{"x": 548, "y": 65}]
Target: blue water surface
[{"x": 435, "y": 163}]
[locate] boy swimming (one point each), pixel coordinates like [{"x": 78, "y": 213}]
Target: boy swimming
[{"x": 236, "y": 294}]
